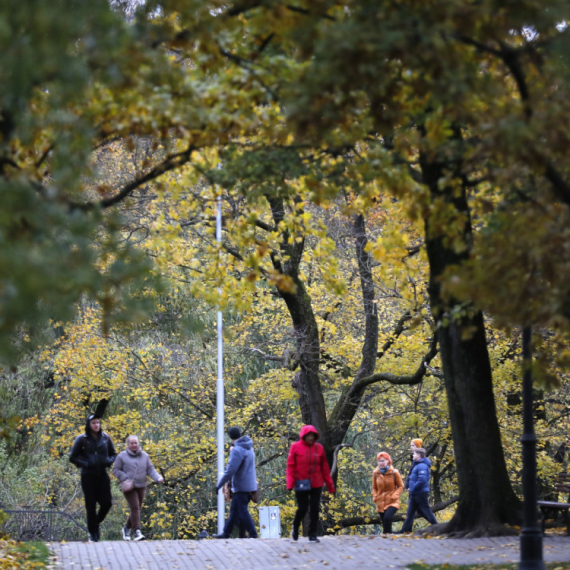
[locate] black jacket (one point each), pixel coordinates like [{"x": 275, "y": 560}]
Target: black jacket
[{"x": 92, "y": 454}]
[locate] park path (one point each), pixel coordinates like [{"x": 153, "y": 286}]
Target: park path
[{"x": 337, "y": 552}]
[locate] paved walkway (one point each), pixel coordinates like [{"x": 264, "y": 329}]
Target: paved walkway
[{"x": 338, "y": 552}]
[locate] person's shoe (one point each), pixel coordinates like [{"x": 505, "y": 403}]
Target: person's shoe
[
  {"x": 295, "y": 534},
  {"x": 126, "y": 533},
  {"x": 221, "y": 535},
  {"x": 313, "y": 539},
  {"x": 138, "y": 535},
  {"x": 93, "y": 537}
]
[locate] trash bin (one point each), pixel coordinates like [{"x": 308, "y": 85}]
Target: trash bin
[{"x": 269, "y": 522}]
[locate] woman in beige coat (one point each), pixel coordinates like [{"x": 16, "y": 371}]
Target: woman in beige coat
[
  {"x": 387, "y": 486},
  {"x": 131, "y": 468}
]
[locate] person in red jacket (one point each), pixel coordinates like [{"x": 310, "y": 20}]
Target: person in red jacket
[{"x": 307, "y": 462}]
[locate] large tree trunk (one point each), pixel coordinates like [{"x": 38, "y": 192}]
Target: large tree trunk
[
  {"x": 308, "y": 354},
  {"x": 487, "y": 499},
  {"x": 350, "y": 400}
]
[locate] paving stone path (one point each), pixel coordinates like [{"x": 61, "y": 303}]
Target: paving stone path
[{"x": 338, "y": 552}]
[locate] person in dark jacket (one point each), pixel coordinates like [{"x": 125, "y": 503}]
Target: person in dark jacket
[
  {"x": 419, "y": 491},
  {"x": 307, "y": 461},
  {"x": 415, "y": 444},
  {"x": 240, "y": 470},
  {"x": 94, "y": 452}
]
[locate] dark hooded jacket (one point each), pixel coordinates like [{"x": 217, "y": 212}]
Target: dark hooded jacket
[
  {"x": 241, "y": 467},
  {"x": 93, "y": 454},
  {"x": 420, "y": 476},
  {"x": 308, "y": 462},
  {"x": 412, "y": 465}
]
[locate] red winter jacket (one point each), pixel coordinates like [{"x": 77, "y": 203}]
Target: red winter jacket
[{"x": 306, "y": 461}]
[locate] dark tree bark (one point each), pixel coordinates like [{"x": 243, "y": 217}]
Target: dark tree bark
[
  {"x": 487, "y": 499},
  {"x": 308, "y": 384},
  {"x": 333, "y": 429},
  {"x": 350, "y": 400}
]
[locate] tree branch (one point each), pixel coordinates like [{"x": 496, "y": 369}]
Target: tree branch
[
  {"x": 170, "y": 163},
  {"x": 398, "y": 330},
  {"x": 361, "y": 521},
  {"x": 410, "y": 379}
]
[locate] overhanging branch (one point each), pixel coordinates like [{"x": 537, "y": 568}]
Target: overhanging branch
[
  {"x": 402, "y": 379},
  {"x": 170, "y": 163}
]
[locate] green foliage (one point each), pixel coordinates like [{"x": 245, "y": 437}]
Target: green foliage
[
  {"x": 16, "y": 555},
  {"x": 118, "y": 137}
]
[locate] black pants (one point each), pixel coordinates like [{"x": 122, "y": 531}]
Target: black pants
[
  {"x": 387, "y": 517},
  {"x": 418, "y": 503},
  {"x": 311, "y": 501},
  {"x": 240, "y": 515},
  {"x": 96, "y": 489}
]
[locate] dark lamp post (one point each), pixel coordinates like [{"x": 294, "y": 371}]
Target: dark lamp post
[{"x": 531, "y": 533}]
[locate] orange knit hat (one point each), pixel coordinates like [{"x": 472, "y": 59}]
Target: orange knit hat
[
  {"x": 417, "y": 442},
  {"x": 384, "y": 455}
]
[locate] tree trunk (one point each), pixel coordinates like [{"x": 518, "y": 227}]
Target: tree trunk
[
  {"x": 348, "y": 404},
  {"x": 487, "y": 499},
  {"x": 308, "y": 354}
]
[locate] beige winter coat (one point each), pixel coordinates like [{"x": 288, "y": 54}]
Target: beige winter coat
[{"x": 135, "y": 466}]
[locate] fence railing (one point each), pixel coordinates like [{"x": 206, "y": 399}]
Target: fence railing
[{"x": 48, "y": 524}]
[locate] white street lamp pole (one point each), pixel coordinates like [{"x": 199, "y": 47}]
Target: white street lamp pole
[{"x": 220, "y": 391}]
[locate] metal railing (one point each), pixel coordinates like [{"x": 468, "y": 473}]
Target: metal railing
[{"x": 42, "y": 524}]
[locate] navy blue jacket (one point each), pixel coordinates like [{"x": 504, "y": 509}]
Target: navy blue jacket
[
  {"x": 419, "y": 477},
  {"x": 241, "y": 467},
  {"x": 412, "y": 465}
]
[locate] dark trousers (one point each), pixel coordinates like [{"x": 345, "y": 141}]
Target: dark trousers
[
  {"x": 387, "y": 517},
  {"x": 418, "y": 503},
  {"x": 96, "y": 489},
  {"x": 308, "y": 501},
  {"x": 240, "y": 514},
  {"x": 135, "y": 498}
]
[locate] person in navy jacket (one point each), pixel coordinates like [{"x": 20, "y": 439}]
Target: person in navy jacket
[
  {"x": 240, "y": 470},
  {"x": 419, "y": 491}
]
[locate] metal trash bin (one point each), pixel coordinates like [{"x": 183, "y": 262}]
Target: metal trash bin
[{"x": 269, "y": 522}]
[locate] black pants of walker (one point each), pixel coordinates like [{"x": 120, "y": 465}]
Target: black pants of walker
[
  {"x": 418, "y": 503},
  {"x": 239, "y": 514},
  {"x": 96, "y": 489},
  {"x": 387, "y": 517},
  {"x": 308, "y": 501}
]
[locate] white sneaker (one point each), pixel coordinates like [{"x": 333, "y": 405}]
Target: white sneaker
[
  {"x": 126, "y": 533},
  {"x": 139, "y": 535}
]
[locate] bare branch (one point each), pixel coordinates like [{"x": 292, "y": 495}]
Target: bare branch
[
  {"x": 361, "y": 521},
  {"x": 341, "y": 446},
  {"x": 404, "y": 379},
  {"x": 398, "y": 330},
  {"x": 170, "y": 163},
  {"x": 266, "y": 356}
]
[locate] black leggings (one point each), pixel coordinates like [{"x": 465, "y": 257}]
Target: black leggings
[
  {"x": 387, "y": 517},
  {"x": 311, "y": 501},
  {"x": 96, "y": 489}
]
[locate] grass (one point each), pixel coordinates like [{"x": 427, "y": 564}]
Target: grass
[
  {"x": 34, "y": 551},
  {"x": 25, "y": 555}
]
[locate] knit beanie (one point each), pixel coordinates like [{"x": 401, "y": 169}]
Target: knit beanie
[
  {"x": 420, "y": 451},
  {"x": 234, "y": 433},
  {"x": 417, "y": 442},
  {"x": 384, "y": 455}
]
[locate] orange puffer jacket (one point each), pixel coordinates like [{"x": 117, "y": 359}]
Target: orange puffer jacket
[{"x": 386, "y": 489}]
